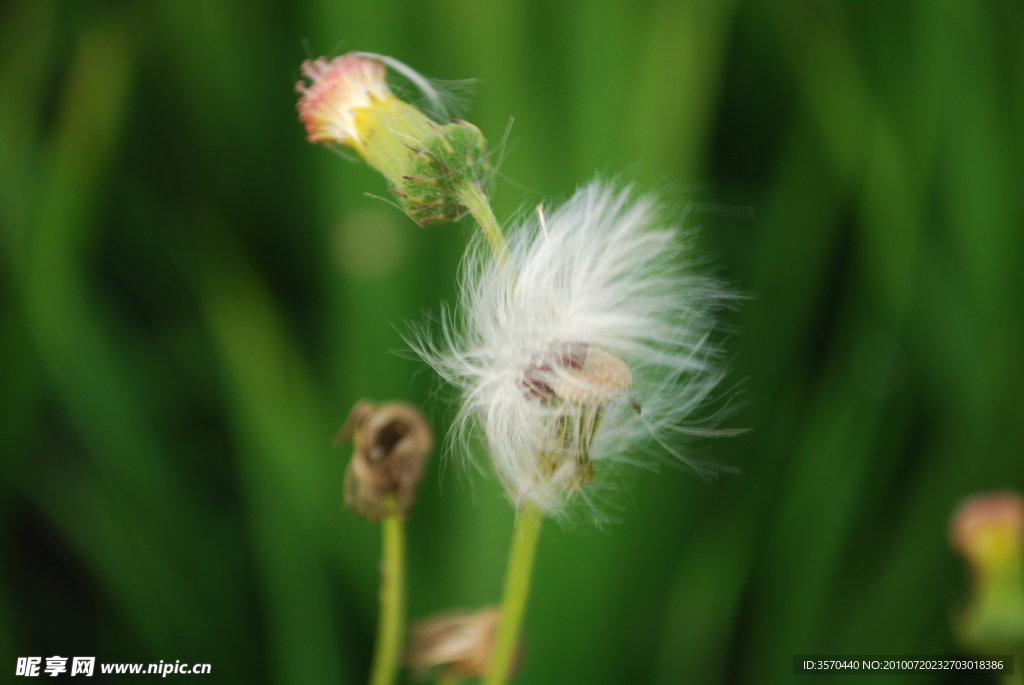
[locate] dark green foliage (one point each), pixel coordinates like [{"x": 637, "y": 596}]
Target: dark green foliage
[{"x": 192, "y": 298}]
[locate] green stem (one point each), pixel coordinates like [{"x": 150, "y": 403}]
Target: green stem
[
  {"x": 517, "y": 589},
  {"x": 475, "y": 200},
  {"x": 447, "y": 678},
  {"x": 391, "y": 628},
  {"x": 1018, "y": 671}
]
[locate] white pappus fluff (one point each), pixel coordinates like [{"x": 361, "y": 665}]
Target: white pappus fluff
[{"x": 586, "y": 345}]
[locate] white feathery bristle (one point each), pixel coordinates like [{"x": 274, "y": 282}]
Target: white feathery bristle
[{"x": 589, "y": 344}]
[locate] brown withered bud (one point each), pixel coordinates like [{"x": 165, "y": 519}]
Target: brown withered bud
[
  {"x": 390, "y": 446},
  {"x": 458, "y": 642}
]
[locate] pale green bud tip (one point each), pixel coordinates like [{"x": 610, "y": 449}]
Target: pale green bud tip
[{"x": 428, "y": 165}]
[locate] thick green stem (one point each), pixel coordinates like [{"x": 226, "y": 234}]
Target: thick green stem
[
  {"x": 475, "y": 200},
  {"x": 517, "y": 589},
  {"x": 391, "y": 626},
  {"x": 527, "y": 530}
]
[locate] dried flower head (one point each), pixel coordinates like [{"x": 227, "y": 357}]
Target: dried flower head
[
  {"x": 458, "y": 642},
  {"x": 988, "y": 530},
  {"x": 391, "y": 444},
  {"x": 427, "y": 164},
  {"x": 586, "y": 344}
]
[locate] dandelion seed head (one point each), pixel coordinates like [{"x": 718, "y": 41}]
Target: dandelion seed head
[{"x": 591, "y": 342}]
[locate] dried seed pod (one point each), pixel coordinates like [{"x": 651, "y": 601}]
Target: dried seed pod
[
  {"x": 576, "y": 383},
  {"x": 391, "y": 443},
  {"x": 458, "y": 642}
]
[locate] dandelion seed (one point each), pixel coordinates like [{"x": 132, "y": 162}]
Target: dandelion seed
[{"x": 587, "y": 344}]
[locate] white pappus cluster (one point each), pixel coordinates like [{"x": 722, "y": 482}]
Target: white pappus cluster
[{"x": 587, "y": 344}]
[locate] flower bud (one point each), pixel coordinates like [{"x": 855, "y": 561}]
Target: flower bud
[
  {"x": 428, "y": 165},
  {"x": 988, "y": 530},
  {"x": 460, "y": 643},
  {"x": 390, "y": 447}
]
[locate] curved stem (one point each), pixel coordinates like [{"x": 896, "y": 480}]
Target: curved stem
[
  {"x": 517, "y": 589},
  {"x": 474, "y": 199},
  {"x": 391, "y": 626}
]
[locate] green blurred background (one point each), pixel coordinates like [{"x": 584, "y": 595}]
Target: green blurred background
[{"x": 192, "y": 297}]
